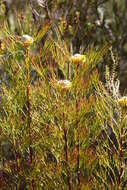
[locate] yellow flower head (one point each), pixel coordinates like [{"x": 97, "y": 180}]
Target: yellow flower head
[
  {"x": 78, "y": 58},
  {"x": 2, "y": 45},
  {"x": 123, "y": 101},
  {"x": 63, "y": 84},
  {"x": 27, "y": 40}
]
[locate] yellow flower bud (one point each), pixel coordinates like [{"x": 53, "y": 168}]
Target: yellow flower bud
[
  {"x": 70, "y": 29},
  {"x": 77, "y": 13},
  {"x": 2, "y": 45}
]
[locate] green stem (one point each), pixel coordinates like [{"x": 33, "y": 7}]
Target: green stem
[
  {"x": 28, "y": 104},
  {"x": 29, "y": 111},
  {"x": 66, "y": 153},
  {"x": 15, "y": 151},
  {"x": 121, "y": 159},
  {"x": 78, "y": 147},
  {"x": 29, "y": 123}
]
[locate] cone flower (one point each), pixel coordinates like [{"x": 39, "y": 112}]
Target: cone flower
[
  {"x": 123, "y": 101},
  {"x": 63, "y": 84},
  {"x": 78, "y": 58},
  {"x": 27, "y": 40}
]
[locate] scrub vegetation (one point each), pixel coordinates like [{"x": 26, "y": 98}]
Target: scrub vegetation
[{"x": 63, "y": 103}]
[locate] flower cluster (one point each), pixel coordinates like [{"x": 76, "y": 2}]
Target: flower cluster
[
  {"x": 63, "y": 84},
  {"x": 78, "y": 58},
  {"x": 27, "y": 40},
  {"x": 123, "y": 101}
]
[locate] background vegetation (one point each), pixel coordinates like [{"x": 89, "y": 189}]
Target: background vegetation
[{"x": 63, "y": 119}]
